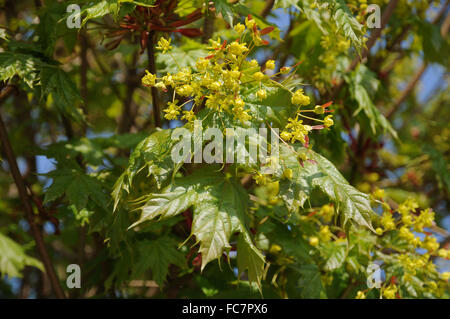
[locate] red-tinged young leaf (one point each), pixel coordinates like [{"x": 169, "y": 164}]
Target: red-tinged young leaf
[
  {"x": 224, "y": 44},
  {"x": 266, "y": 30},
  {"x": 327, "y": 104},
  {"x": 189, "y": 19},
  {"x": 190, "y": 32}
]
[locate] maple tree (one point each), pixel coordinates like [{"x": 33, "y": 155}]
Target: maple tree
[{"x": 89, "y": 115}]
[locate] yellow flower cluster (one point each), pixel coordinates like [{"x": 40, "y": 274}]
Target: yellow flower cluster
[
  {"x": 445, "y": 275},
  {"x": 298, "y": 131},
  {"x": 295, "y": 129},
  {"x": 300, "y": 99},
  {"x": 327, "y": 212},
  {"x": 360, "y": 295},
  {"x": 325, "y": 234},
  {"x": 430, "y": 243},
  {"x": 406, "y": 234},
  {"x": 149, "y": 79},
  {"x": 405, "y": 209},
  {"x": 387, "y": 221},
  {"x": 390, "y": 292},
  {"x": 217, "y": 80},
  {"x": 444, "y": 253},
  {"x": 425, "y": 219},
  {"x": 412, "y": 263},
  {"x": 313, "y": 241},
  {"x": 261, "y": 179},
  {"x": 172, "y": 111},
  {"x": 378, "y": 194},
  {"x": 410, "y": 222},
  {"x": 408, "y": 218},
  {"x": 288, "y": 173},
  {"x": 164, "y": 45}
]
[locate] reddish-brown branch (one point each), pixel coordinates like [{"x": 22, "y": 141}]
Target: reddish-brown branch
[
  {"x": 400, "y": 38},
  {"x": 26, "y": 202},
  {"x": 413, "y": 82},
  {"x": 409, "y": 88},
  {"x": 5, "y": 92}
]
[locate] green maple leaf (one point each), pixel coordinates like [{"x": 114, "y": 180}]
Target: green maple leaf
[
  {"x": 25, "y": 66},
  {"x": 334, "y": 254},
  {"x": 34, "y": 71},
  {"x": 225, "y": 9},
  {"x": 318, "y": 172},
  {"x": 78, "y": 188},
  {"x": 185, "y": 55},
  {"x": 310, "y": 14},
  {"x": 439, "y": 165},
  {"x": 363, "y": 84},
  {"x": 64, "y": 92},
  {"x": 100, "y": 9},
  {"x": 158, "y": 255},
  {"x": 153, "y": 154},
  {"x": 249, "y": 257},
  {"x": 276, "y": 108},
  {"x": 310, "y": 282},
  {"x": 346, "y": 22},
  {"x": 219, "y": 206},
  {"x": 13, "y": 258}
]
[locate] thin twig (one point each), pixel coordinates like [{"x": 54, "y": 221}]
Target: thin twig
[
  {"x": 349, "y": 289},
  {"x": 409, "y": 88},
  {"x": 415, "y": 79},
  {"x": 400, "y": 38}
]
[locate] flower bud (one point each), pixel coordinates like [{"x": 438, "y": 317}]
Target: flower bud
[
  {"x": 261, "y": 94},
  {"x": 328, "y": 121},
  {"x": 313, "y": 241},
  {"x": 239, "y": 28},
  {"x": 287, "y": 173},
  {"x": 258, "y": 76},
  {"x": 318, "y": 109},
  {"x": 270, "y": 65},
  {"x": 285, "y": 70}
]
